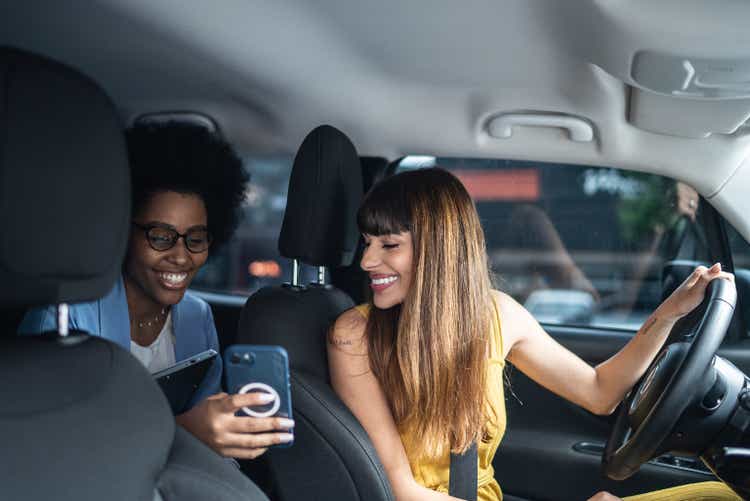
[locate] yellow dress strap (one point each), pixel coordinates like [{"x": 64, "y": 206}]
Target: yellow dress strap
[
  {"x": 363, "y": 309},
  {"x": 496, "y": 352}
]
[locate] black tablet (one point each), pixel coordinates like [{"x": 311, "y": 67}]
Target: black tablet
[{"x": 180, "y": 381}]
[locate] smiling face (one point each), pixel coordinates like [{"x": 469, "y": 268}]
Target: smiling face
[
  {"x": 154, "y": 279},
  {"x": 388, "y": 259}
]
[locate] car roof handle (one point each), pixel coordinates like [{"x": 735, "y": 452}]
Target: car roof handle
[{"x": 501, "y": 126}]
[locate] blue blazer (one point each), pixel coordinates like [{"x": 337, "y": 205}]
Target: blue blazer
[{"x": 107, "y": 317}]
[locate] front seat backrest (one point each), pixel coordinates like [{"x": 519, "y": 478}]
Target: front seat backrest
[
  {"x": 332, "y": 456},
  {"x": 80, "y": 418}
]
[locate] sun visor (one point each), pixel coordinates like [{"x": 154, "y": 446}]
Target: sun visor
[{"x": 325, "y": 191}]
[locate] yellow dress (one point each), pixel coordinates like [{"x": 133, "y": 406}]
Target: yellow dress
[
  {"x": 434, "y": 473},
  {"x": 701, "y": 491}
]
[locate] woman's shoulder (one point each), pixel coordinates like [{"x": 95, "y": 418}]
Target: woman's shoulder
[
  {"x": 506, "y": 305},
  {"x": 515, "y": 320},
  {"x": 347, "y": 347},
  {"x": 352, "y": 322},
  {"x": 349, "y": 331}
]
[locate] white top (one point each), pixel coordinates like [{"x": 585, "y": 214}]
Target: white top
[{"x": 159, "y": 354}]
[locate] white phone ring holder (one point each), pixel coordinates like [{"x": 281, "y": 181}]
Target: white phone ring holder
[{"x": 266, "y": 389}]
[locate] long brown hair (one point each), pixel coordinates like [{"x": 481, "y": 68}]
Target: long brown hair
[{"x": 430, "y": 352}]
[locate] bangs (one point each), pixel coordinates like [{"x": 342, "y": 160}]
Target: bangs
[{"x": 384, "y": 210}]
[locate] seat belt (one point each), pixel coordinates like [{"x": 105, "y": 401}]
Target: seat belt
[{"x": 462, "y": 482}]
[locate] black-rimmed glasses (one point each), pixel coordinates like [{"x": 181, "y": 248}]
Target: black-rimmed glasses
[{"x": 162, "y": 237}]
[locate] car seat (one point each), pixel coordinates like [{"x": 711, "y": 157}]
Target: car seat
[
  {"x": 80, "y": 418},
  {"x": 332, "y": 456}
]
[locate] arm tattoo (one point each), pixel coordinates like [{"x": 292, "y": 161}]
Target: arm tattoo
[
  {"x": 340, "y": 342},
  {"x": 647, "y": 327}
]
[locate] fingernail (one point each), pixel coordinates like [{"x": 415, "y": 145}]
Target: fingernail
[
  {"x": 716, "y": 267},
  {"x": 286, "y": 437},
  {"x": 286, "y": 423},
  {"x": 266, "y": 397}
]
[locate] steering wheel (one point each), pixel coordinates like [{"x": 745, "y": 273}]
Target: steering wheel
[{"x": 650, "y": 411}]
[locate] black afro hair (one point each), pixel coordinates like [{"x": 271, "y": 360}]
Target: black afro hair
[{"x": 188, "y": 159}]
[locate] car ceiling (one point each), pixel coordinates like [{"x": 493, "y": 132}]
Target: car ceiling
[{"x": 420, "y": 77}]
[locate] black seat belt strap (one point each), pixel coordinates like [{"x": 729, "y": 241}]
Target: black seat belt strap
[{"x": 462, "y": 482}]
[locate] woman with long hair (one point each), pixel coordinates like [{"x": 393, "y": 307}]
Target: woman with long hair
[{"x": 421, "y": 365}]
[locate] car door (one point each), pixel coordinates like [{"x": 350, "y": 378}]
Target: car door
[{"x": 588, "y": 250}]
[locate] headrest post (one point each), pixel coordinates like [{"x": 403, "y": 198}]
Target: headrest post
[
  {"x": 322, "y": 275},
  {"x": 62, "y": 319},
  {"x": 295, "y": 273}
]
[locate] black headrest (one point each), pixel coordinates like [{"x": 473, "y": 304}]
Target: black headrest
[
  {"x": 64, "y": 184},
  {"x": 297, "y": 319},
  {"x": 325, "y": 190}
]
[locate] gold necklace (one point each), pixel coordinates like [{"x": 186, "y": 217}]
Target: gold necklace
[{"x": 152, "y": 321}]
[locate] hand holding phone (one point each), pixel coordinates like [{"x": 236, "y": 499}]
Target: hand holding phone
[
  {"x": 262, "y": 370},
  {"x": 219, "y": 422}
]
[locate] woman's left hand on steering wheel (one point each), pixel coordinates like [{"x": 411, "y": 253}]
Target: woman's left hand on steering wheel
[{"x": 691, "y": 292}]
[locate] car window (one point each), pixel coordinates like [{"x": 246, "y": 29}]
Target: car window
[
  {"x": 251, "y": 259},
  {"x": 580, "y": 245}
]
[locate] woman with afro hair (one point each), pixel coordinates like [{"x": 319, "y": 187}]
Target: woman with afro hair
[{"x": 187, "y": 188}]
